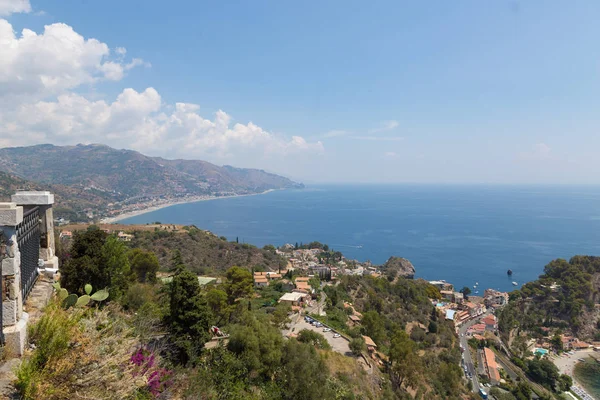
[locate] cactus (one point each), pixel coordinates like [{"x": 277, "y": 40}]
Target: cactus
[
  {"x": 100, "y": 295},
  {"x": 62, "y": 294},
  {"x": 70, "y": 301},
  {"x": 88, "y": 289},
  {"x": 56, "y": 286},
  {"x": 83, "y": 301}
]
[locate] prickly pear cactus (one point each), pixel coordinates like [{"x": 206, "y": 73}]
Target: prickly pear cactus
[{"x": 70, "y": 301}]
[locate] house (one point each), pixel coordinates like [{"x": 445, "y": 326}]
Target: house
[
  {"x": 458, "y": 297},
  {"x": 490, "y": 366},
  {"x": 354, "y": 320},
  {"x": 273, "y": 275},
  {"x": 461, "y": 316},
  {"x": 442, "y": 285},
  {"x": 478, "y": 337},
  {"x": 490, "y": 322},
  {"x": 303, "y": 286},
  {"x": 494, "y": 298},
  {"x": 261, "y": 281},
  {"x": 447, "y": 294},
  {"x": 66, "y": 235},
  {"x": 371, "y": 346},
  {"x": 294, "y": 298},
  {"x": 124, "y": 237},
  {"x": 578, "y": 345},
  {"x": 302, "y": 279},
  {"x": 476, "y": 329},
  {"x": 474, "y": 309},
  {"x": 450, "y": 314}
]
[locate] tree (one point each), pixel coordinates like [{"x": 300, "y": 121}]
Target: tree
[
  {"x": 313, "y": 338},
  {"x": 144, "y": 264},
  {"x": 522, "y": 391},
  {"x": 302, "y": 364},
  {"x": 357, "y": 346},
  {"x": 565, "y": 382},
  {"x": 116, "y": 266},
  {"x": 239, "y": 283},
  {"x": 466, "y": 291},
  {"x": 406, "y": 366},
  {"x": 217, "y": 302},
  {"x": 373, "y": 326},
  {"x": 85, "y": 264},
  {"x": 176, "y": 262},
  {"x": 556, "y": 342},
  {"x": 280, "y": 316},
  {"x": 433, "y": 327},
  {"x": 189, "y": 318}
]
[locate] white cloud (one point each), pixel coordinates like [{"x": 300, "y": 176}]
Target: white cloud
[
  {"x": 39, "y": 74},
  {"x": 385, "y": 126},
  {"x": 139, "y": 120},
  {"x": 35, "y": 66},
  {"x": 8, "y": 7},
  {"x": 389, "y": 154}
]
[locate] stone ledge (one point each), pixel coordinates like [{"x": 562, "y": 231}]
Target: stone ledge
[
  {"x": 16, "y": 337},
  {"x": 33, "y": 198},
  {"x": 10, "y": 214}
]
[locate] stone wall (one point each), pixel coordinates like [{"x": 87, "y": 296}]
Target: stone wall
[{"x": 14, "y": 319}]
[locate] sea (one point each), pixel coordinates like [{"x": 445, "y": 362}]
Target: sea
[
  {"x": 468, "y": 235},
  {"x": 587, "y": 373}
]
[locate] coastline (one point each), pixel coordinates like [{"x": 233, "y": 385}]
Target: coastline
[
  {"x": 155, "y": 207},
  {"x": 566, "y": 365}
]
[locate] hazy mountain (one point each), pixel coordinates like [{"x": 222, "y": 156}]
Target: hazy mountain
[{"x": 104, "y": 175}]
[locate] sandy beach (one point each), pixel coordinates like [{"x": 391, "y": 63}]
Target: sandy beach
[
  {"x": 566, "y": 364},
  {"x": 157, "y": 206}
]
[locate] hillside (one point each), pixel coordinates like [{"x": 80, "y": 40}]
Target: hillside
[
  {"x": 94, "y": 176},
  {"x": 205, "y": 253},
  {"x": 566, "y": 296}
]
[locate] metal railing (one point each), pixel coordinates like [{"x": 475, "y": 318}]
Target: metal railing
[{"x": 28, "y": 239}]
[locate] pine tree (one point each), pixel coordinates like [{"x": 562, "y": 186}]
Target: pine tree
[{"x": 189, "y": 318}]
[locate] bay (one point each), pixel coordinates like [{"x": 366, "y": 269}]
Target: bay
[{"x": 461, "y": 233}]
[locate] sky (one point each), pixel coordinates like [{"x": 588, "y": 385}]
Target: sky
[{"x": 332, "y": 91}]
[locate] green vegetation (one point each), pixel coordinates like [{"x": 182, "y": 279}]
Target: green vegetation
[
  {"x": 154, "y": 339},
  {"x": 203, "y": 252},
  {"x": 561, "y": 298}
]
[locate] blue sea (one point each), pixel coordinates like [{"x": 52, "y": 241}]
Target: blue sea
[{"x": 463, "y": 234}]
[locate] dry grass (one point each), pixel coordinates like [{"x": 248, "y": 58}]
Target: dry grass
[{"x": 81, "y": 354}]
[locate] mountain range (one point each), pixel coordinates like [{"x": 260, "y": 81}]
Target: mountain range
[{"x": 95, "y": 176}]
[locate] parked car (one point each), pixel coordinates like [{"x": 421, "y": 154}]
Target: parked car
[
  {"x": 326, "y": 330},
  {"x": 336, "y": 335}
]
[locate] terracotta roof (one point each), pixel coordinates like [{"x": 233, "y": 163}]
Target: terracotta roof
[
  {"x": 302, "y": 285},
  {"x": 477, "y": 327},
  {"x": 355, "y": 318},
  {"x": 369, "y": 342},
  {"x": 260, "y": 273},
  {"x": 273, "y": 275},
  {"x": 302, "y": 279},
  {"x": 492, "y": 366},
  {"x": 478, "y": 337},
  {"x": 260, "y": 279},
  {"x": 489, "y": 320}
]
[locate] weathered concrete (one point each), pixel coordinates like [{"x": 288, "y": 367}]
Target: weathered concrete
[
  {"x": 10, "y": 214},
  {"x": 16, "y": 336},
  {"x": 27, "y": 198}
]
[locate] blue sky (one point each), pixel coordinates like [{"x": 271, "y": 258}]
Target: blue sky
[{"x": 346, "y": 91}]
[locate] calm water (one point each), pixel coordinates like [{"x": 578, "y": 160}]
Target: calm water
[
  {"x": 464, "y": 234},
  {"x": 588, "y": 374}
]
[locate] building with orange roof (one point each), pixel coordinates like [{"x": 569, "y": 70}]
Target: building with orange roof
[
  {"x": 491, "y": 367},
  {"x": 491, "y": 322},
  {"x": 371, "y": 346},
  {"x": 261, "y": 281},
  {"x": 478, "y": 337},
  {"x": 302, "y": 279},
  {"x": 303, "y": 286}
]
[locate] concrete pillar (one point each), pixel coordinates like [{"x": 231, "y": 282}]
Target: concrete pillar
[
  {"x": 14, "y": 320},
  {"x": 44, "y": 201}
]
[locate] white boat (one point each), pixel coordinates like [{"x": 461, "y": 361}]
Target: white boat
[{"x": 515, "y": 283}]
